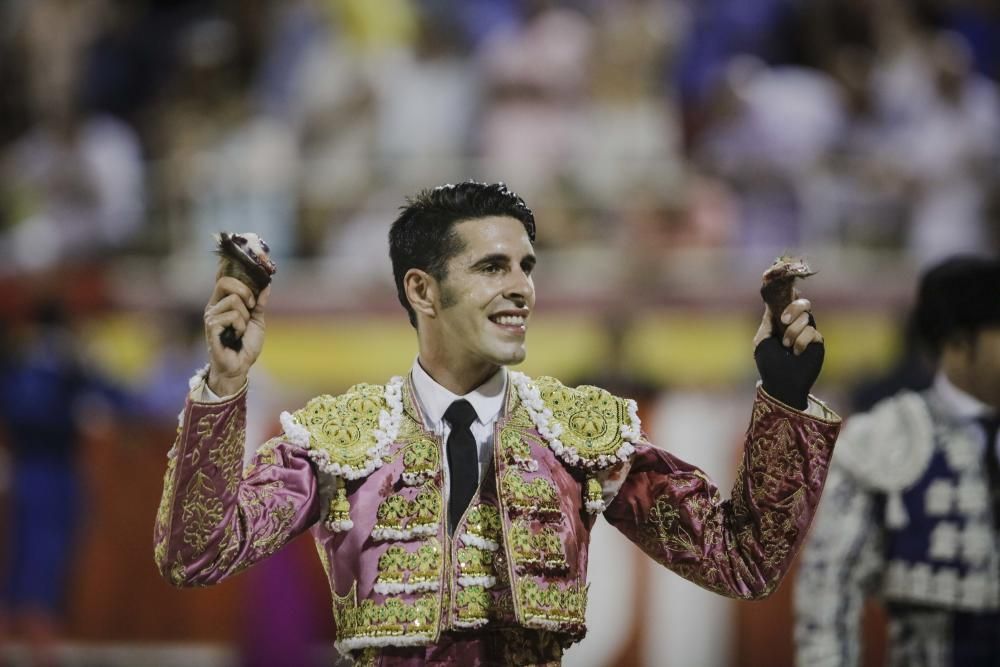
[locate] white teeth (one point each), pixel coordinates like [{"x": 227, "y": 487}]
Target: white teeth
[{"x": 510, "y": 320}]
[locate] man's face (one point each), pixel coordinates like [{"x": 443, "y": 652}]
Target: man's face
[
  {"x": 487, "y": 295},
  {"x": 984, "y": 366}
]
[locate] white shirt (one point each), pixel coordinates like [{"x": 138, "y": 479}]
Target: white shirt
[{"x": 486, "y": 399}]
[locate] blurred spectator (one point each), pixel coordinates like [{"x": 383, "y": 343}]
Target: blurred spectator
[
  {"x": 629, "y": 127},
  {"x": 535, "y": 77},
  {"x": 769, "y": 129},
  {"x": 48, "y": 399},
  {"x": 72, "y": 185},
  {"x": 222, "y": 164},
  {"x": 949, "y": 146}
]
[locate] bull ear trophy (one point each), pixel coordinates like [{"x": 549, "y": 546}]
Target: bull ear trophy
[
  {"x": 778, "y": 288},
  {"x": 245, "y": 257}
]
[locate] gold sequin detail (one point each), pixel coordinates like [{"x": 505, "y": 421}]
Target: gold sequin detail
[
  {"x": 393, "y": 618},
  {"x": 536, "y": 497},
  {"x": 344, "y": 426},
  {"x": 591, "y": 418},
  {"x": 538, "y": 550}
]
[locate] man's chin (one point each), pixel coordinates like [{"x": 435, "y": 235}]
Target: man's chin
[{"x": 512, "y": 357}]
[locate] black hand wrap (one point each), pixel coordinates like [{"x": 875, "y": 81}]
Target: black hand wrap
[{"x": 785, "y": 376}]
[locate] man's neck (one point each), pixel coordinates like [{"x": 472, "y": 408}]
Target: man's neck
[{"x": 459, "y": 380}]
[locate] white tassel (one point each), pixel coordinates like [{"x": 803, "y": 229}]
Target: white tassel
[{"x": 895, "y": 514}]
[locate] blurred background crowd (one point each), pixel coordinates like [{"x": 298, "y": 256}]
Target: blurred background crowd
[{"x": 669, "y": 148}]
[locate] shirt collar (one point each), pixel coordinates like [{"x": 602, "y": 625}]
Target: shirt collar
[
  {"x": 487, "y": 399},
  {"x": 956, "y": 401}
]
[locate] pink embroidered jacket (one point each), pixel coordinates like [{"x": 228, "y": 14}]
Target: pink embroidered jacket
[{"x": 364, "y": 474}]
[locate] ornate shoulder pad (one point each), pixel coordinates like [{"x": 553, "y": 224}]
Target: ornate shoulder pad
[
  {"x": 888, "y": 449},
  {"x": 347, "y": 435},
  {"x": 587, "y": 427}
]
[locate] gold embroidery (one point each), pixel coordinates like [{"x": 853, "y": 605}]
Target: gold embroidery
[
  {"x": 163, "y": 513},
  {"x": 473, "y": 605},
  {"x": 475, "y": 562},
  {"x": 590, "y": 417},
  {"x": 516, "y": 449},
  {"x": 344, "y": 427},
  {"x": 201, "y": 511},
  {"x": 421, "y": 460},
  {"x": 519, "y": 416},
  {"x": 277, "y": 532},
  {"x": 483, "y": 521},
  {"x": 422, "y": 565},
  {"x": 552, "y": 603},
  {"x": 664, "y": 530},
  {"x": 535, "y": 551},
  {"x": 267, "y": 455},
  {"x": 536, "y": 497},
  {"x": 399, "y": 518},
  {"x": 425, "y": 562},
  {"x": 392, "y": 565},
  {"x": 177, "y": 573},
  {"x": 272, "y": 524},
  {"x": 227, "y": 452},
  {"x": 393, "y": 618}
]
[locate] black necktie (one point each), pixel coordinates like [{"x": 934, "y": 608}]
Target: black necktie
[
  {"x": 463, "y": 460},
  {"x": 990, "y": 426}
]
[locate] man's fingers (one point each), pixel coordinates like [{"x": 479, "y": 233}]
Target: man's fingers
[
  {"x": 264, "y": 297},
  {"x": 230, "y": 318},
  {"x": 231, "y": 302},
  {"x": 228, "y": 285},
  {"x": 793, "y": 330},
  {"x": 794, "y": 309},
  {"x": 808, "y": 336}
]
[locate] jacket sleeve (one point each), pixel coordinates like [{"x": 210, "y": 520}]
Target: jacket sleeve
[
  {"x": 215, "y": 518},
  {"x": 743, "y": 546},
  {"x": 840, "y": 565}
]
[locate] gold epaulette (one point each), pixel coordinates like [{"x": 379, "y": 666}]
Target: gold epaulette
[
  {"x": 586, "y": 426},
  {"x": 347, "y": 435}
]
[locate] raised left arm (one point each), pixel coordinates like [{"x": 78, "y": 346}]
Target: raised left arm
[{"x": 743, "y": 546}]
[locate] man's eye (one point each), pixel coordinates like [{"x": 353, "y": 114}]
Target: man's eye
[{"x": 491, "y": 268}]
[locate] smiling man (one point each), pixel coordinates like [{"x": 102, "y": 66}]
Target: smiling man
[{"x": 452, "y": 508}]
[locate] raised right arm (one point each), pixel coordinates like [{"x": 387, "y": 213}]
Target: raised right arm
[{"x": 216, "y": 519}]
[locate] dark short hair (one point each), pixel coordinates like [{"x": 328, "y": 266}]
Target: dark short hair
[
  {"x": 956, "y": 298},
  {"x": 423, "y": 235}
]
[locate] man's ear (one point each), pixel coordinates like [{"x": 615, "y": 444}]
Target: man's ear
[{"x": 421, "y": 291}]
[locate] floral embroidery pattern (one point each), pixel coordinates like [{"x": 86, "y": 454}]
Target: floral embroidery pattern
[
  {"x": 347, "y": 436},
  {"x": 552, "y": 606},
  {"x": 400, "y": 519},
  {"x": 395, "y": 622},
  {"x": 227, "y": 452},
  {"x": 586, "y": 427},
  {"x": 421, "y": 460},
  {"x": 537, "y": 497},
  {"x": 201, "y": 511},
  {"x": 402, "y": 571},
  {"x": 538, "y": 550},
  {"x": 482, "y": 527}
]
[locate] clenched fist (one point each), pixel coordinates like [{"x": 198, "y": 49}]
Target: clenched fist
[{"x": 233, "y": 305}]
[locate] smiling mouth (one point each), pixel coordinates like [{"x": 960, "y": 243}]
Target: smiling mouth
[{"x": 510, "y": 322}]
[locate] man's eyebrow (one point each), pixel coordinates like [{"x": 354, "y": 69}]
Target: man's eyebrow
[
  {"x": 530, "y": 260},
  {"x": 494, "y": 258}
]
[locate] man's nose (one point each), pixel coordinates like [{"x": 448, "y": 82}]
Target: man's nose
[{"x": 520, "y": 287}]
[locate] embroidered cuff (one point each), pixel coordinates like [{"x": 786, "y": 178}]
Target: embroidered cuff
[{"x": 817, "y": 410}]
